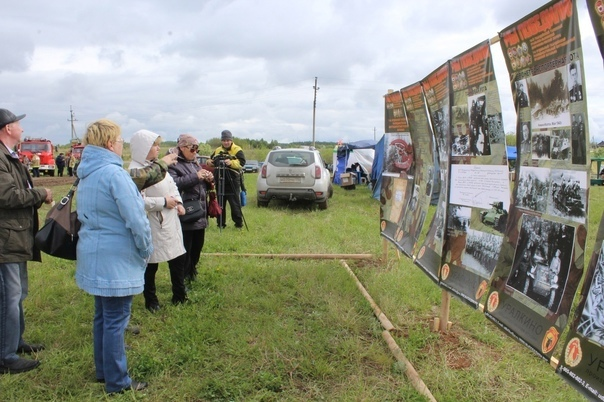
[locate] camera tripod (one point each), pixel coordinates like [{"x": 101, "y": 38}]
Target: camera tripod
[{"x": 221, "y": 177}]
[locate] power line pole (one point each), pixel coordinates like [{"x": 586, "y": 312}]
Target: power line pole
[
  {"x": 74, "y": 136},
  {"x": 314, "y": 108}
]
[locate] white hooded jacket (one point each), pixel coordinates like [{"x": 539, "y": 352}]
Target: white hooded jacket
[{"x": 165, "y": 224}]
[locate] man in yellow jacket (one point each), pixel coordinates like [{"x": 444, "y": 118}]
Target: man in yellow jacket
[{"x": 228, "y": 159}]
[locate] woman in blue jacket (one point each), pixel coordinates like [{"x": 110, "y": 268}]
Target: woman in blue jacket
[{"x": 114, "y": 244}]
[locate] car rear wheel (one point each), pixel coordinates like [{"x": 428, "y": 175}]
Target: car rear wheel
[
  {"x": 262, "y": 204},
  {"x": 330, "y": 191},
  {"x": 322, "y": 205}
]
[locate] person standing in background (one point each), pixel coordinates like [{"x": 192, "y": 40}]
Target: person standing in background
[
  {"x": 35, "y": 165},
  {"x": 19, "y": 203},
  {"x": 228, "y": 159},
  {"x": 193, "y": 183},
  {"x": 60, "y": 164},
  {"x": 163, "y": 204}
]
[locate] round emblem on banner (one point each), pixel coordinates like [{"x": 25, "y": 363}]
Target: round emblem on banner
[
  {"x": 444, "y": 272},
  {"x": 493, "y": 302},
  {"x": 399, "y": 235},
  {"x": 549, "y": 340},
  {"x": 573, "y": 353},
  {"x": 481, "y": 290},
  {"x": 383, "y": 225},
  {"x": 421, "y": 252}
]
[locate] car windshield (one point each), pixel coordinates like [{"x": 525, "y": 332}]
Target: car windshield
[
  {"x": 251, "y": 163},
  {"x": 291, "y": 158}
]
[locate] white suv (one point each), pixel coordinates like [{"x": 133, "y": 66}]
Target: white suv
[{"x": 294, "y": 174}]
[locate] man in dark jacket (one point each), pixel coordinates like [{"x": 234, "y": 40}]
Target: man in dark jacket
[
  {"x": 19, "y": 202},
  {"x": 228, "y": 160},
  {"x": 60, "y": 163}
]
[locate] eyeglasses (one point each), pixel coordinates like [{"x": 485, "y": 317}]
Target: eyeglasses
[
  {"x": 119, "y": 140},
  {"x": 193, "y": 148}
]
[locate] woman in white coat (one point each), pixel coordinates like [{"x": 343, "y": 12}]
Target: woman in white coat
[{"x": 163, "y": 204}]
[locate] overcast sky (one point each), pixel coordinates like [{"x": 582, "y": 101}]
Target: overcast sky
[{"x": 201, "y": 66}]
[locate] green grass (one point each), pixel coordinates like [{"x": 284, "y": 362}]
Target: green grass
[{"x": 285, "y": 330}]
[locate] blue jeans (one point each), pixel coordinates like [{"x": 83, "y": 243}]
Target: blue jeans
[
  {"x": 111, "y": 316},
  {"x": 13, "y": 290}
]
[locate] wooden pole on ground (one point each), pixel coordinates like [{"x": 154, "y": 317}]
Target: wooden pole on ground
[
  {"x": 295, "y": 256},
  {"x": 384, "y": 250},
  {"x": 386, "y": 324},
  {"x": 410, "y": 372}
]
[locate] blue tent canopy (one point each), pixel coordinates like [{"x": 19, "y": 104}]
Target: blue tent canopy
[{"x": 511, "y": 152}]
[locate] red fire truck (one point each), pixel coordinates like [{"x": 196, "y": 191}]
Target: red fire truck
[
  {"x": 76, "y": 150},
  {"x": 44, "y": 148}
]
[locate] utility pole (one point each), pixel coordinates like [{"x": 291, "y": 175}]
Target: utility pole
[
  {"x": 74, "y": 136},
  {"x": 314, "y": 108}
]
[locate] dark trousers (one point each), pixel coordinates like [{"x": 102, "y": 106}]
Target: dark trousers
[
  {"x": 60, "y": 170},
  {"x": 187, "y": 263},
  {"x": 177, "y": 277},
  {"x": 234, "y": 201}
]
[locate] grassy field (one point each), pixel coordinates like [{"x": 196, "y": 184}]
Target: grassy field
[{"x": 285, "y": 330}]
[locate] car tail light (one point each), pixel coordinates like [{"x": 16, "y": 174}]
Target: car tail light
[
  {"x": 263, "y": 171},
  {"x": 317, "y": 172}
]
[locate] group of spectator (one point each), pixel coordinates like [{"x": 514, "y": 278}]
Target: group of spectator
[{"x": 130, "y": 222}]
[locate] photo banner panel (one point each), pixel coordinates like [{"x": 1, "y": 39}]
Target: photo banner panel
[
  {"x": 395, "y": 119},
  {"x": 423, "y": 173},
  {"x": 596, "y": 14},
  {"x": 583, "y": 358},
  {"x": 437, "y": 90},
  {"x": 399, "y": 165},
  {"x": 541, "y": 259},
  {"x": 479, "y": 194}
]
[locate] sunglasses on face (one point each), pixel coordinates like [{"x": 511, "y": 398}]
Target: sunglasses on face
[{"x": 193, "y": 148}]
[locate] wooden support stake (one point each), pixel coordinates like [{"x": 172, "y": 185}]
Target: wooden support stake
[
  {"x": 445, "y": 304},
  {"x": 295, "y": 256},
  {"x": 386, "y": 324},
  {"x": 410, "y": 372},
  {"x": 384, "y": 250}
]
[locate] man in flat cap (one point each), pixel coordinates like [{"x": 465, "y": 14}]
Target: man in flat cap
[
  {"x": 229, "y": 160},
  {"x": 19, "y": 203}
]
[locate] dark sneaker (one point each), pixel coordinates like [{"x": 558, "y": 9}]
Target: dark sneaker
[
  {"x": 134, "y": 386},
  {"x": 19, "y": 366},
  {"x": 30, "y": 348},
  {"x": 133, "y": 329},
  {"x": 153, "y": 307}
]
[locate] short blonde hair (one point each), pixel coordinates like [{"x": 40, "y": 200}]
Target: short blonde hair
[{"x": 100, "y": 132}]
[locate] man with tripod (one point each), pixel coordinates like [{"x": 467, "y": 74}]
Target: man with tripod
[{"x": 228, "y": 160}]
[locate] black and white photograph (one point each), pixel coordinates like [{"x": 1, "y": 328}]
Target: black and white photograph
[
  {"x": 479, "y": 135},
  {"x": 568, "y": 194},
  {"x": 458, "y": 224},
  {"x": 441, "y": 131},
  {"x": 541, "y": 145},
  {"x": 495, "y": 129},
  {"x": 549, "y": 99},
  {"x": 542, "y": 260},
  {"x": 560, "y": 142},
  {"x": 575, "y": 85},
  {"x": 481, "y": 252},
  {"x": 578, "y": 146},
  {"x": 522, "y": 99},
  {"x": 591, "y": 324},
  {"x": 526, "y": 145},
  {"x": 533, "y": 188}
]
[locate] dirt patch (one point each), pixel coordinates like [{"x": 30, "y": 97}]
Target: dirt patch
[{"x": 49, "y": 181}]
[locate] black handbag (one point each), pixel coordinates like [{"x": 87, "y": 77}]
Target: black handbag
[
  {"x": 193, "y": 211},
  {"x": 59, "y": 235}
]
